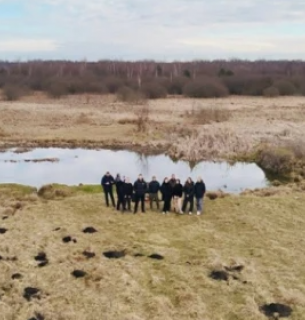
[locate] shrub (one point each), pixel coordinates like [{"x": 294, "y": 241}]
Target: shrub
[
  {"x": 13, "y": 92},
  {"x": 127, "y": 94},
  {"x": 285, "y": 87},
  {"x": 176, "y": 86},
  {"x": 57, "y": 89},
  {"x": 297, "y": 147},
  {"x": 255, "y": 85},
  {"x": 153, "y": 91},
  {"x": 52, "y": 192},
  {"x": 142, "y": 117},
  {"x": 205, "y": 88},
  {"x": 276, "y": 160},
  {"x": 113, "y": 84},
  {"x": 271, "y": 92}
]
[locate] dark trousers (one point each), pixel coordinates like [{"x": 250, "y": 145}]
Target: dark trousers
[
  {"x": 139, "y": 198},
  {"x": 187, "y": 200},
  {"x": 127, "y": 201},
  {"x": 167, "y": 204},
  {"x": 120, "y": 203},
  {"x": 108, "y": 192},
  {"x": 153, "y": 197}
]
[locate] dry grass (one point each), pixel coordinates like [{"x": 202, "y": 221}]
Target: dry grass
[
  {"x": 266, "y": 237},
  {"x": 206, "y": 115},
  {"x": 235, "y": 124}
]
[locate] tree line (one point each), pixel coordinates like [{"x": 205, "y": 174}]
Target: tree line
[{"x": 153, "y": 79}]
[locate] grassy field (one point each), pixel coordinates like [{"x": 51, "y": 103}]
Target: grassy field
[
  {"x": 189, "y": 129},
  {"x": 265, "y": 235}
]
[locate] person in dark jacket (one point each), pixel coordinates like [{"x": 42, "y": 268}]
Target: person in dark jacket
[
  {"x": 119, "y": 184},
  {"x": 127, "y": 190},
  {"x": 107, "y": 183},
  {"x": 199, "y": 194},
  {"x": 140, "y": 188},
  {"x": 188, "y": 190},
  {"x": 172, "y": 182},
  {"x": 153, "y": 190},
  {"x": 166, "y": 190},
  {"x": 177, "y": 195}
]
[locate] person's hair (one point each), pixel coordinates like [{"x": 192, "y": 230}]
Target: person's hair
[
  {"x": 188, "y": 180},
  {"x": 178, "y": 181},
  {"x": 154, "y": 177}
]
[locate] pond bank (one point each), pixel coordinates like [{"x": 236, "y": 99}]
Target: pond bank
[{"x": 75, "y": 166}]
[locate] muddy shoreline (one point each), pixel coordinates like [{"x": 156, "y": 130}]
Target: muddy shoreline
[{"x": 24, "y": 146}]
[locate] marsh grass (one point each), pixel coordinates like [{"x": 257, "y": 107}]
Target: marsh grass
[
  {"x": 206, "y": 115},
  {"x": 265, "y": 235}
]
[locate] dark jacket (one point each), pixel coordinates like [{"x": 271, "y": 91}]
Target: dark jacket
[
  {"x": 128, "y": 189},
  {"x": 153, "y": 187},
  {"x": 140, "y": 187},
  {"x": 199, "y": 189},
  {"x": 188, "y": 190},
  {"x": 172, "y": 183},
  {"x": 107, "y": 182},
  {"x": 178, "y": 190},
  {"x": 119, "y": 184},
  {"x": 166, "y": 190}
]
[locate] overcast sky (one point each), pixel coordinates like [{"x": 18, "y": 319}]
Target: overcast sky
[{"x": 152, "y": 29}]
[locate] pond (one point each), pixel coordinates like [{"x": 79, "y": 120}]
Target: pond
[{"x": 75, "y": 166}]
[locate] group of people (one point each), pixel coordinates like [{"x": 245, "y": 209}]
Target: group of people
[{"x": 175, "y": 196}]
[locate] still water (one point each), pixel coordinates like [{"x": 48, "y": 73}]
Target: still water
[{"x": 88, "y": 166}]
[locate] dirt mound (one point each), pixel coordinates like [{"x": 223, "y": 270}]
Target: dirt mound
[
  {"x": 38, "y": 316},
  {"x": 41, "y": 256},
  {"x": 276, "y": 310},
  {"x": 114, "y": 254},
  {"x": 78, "y": 273},
  {"x": 89, "y": 254},
  {"x": 219, "y": 275},
  {"x": 3, "y": 230},
  {"x": 89, "y": 230},
  {"x": 30, "y": 292},
  {"x": 16, "y": 276},
  {"x": 156, "y": 256},
  {"x": 68, "y": 239},
  {"x": 236, "y": 268}
]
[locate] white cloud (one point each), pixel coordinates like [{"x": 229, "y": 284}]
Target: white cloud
[
  {"x": 172, "y": 29},
  {"x": 28, "y": 45}
]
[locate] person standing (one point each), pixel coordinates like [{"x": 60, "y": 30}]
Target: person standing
[
  {"x": 172, "y": 183},
  {"x": 119, "y": 184},
  {"x": 140, "y": 188},
  {"x": 107, "y": 182},
  {"x": 177, "y": 195},
  {"x": 199, "y": 194},
  {"x": 128, "y": 190},
  {"x": 188, "y": 190},
  {"x": 153, "y": 189},
  {"x": 166, "y": 190}
]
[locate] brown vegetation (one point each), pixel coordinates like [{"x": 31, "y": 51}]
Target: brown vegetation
[
  {"x": 189, "y": 129},
  {"x": 206, "y": 115}
]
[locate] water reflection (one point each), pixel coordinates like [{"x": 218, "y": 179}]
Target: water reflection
[{"x": 87, "y": 166}]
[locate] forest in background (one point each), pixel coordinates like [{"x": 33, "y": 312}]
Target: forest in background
[{"x": 152, "y": 79}]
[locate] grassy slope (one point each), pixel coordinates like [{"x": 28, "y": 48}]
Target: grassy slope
[{"x": 264, "y": 234}]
